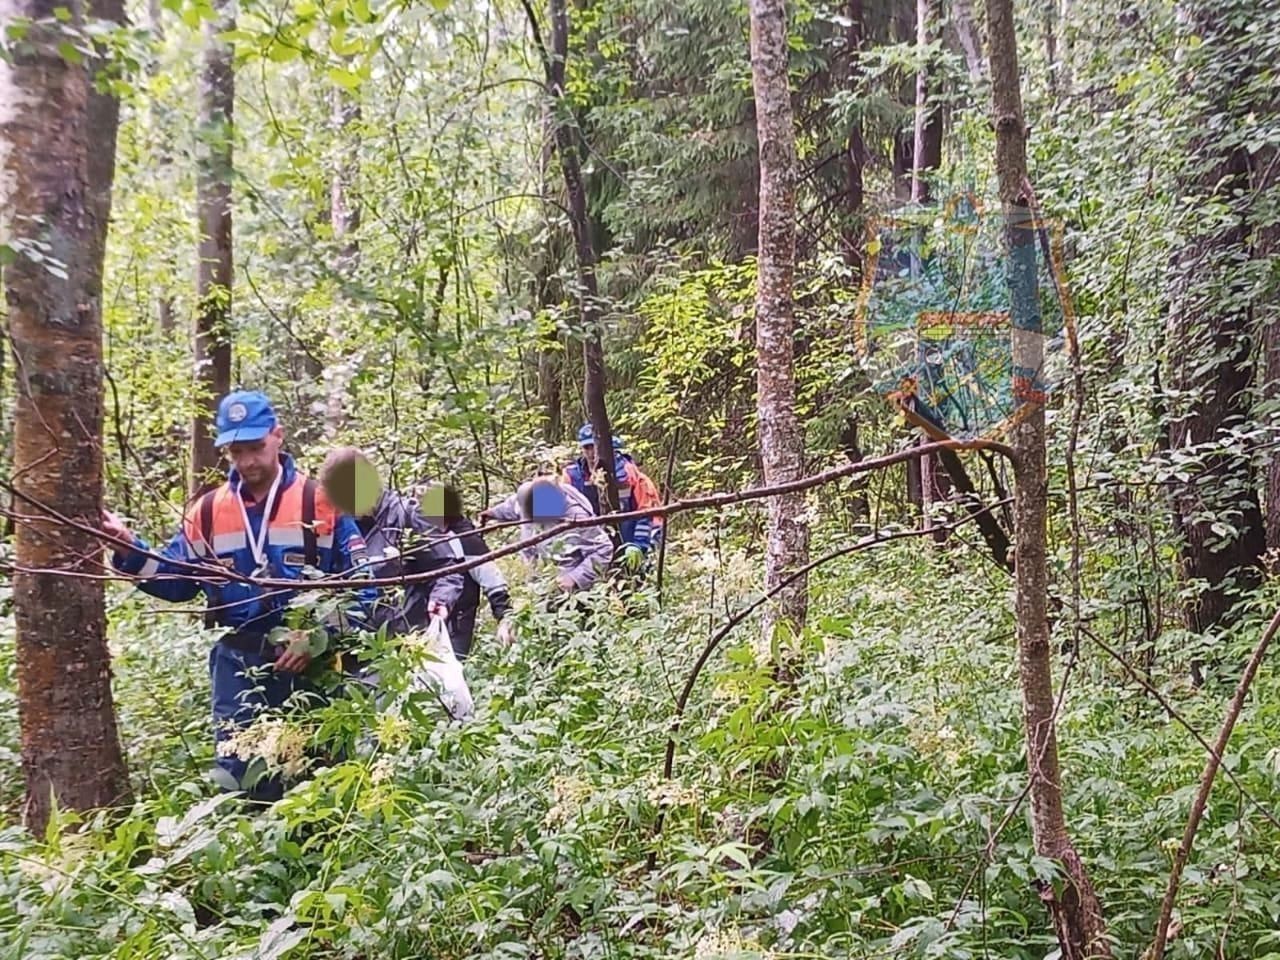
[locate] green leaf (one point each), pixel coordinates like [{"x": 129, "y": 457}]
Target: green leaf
[
  {"x": 344, "y": 78},
  {"x": 345, "y": 45},
  {"x": 69, "y": 53}
]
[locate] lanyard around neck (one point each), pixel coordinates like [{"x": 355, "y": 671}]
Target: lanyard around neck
[{"x": 258, "y": 545}]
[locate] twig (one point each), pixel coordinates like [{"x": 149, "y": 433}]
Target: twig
[
  {"x": 1206, "y": 785},
  {"x": 666, "y": 499},
  {"x": 1180, "y": 720},
  {"x": 668, "y": 763}
]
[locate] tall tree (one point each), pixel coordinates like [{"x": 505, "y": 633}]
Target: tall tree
[
  {"x": 161, "y": 144},
  {"x": 568, "y": 143},
  {"x": 57, "y": 140},
  {"x": 1074, "y": 907},
  {"x": 855, "y": 156},
  {"x": 547, "y": 292},
  {"x": 927, "y": 150},
  {"x": 213, "y": 219},
  {"x": 781, "y": 442},
  {"x": 926, "y": 157},
  {"x": 344, "y": 220},
  {"x": 1210, "y": 337},
  {"x": 967, "y": 33}
]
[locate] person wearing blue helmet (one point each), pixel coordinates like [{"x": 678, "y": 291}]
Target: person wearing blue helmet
[
  {"x": 268, "y": 520},
  {"x": 635, "y": 492}
]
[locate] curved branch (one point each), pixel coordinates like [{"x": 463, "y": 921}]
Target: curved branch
[
  {"x": 682, "y": 701},
  {"x": 1206, "y": 785}
]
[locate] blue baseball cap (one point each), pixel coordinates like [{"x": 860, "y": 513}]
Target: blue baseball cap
[
  {"x": 586, "y": 435},
  {"x": 244, "y": 416}
]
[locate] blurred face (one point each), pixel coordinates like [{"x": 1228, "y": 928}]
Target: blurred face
[
  {"x": 257, "y": 460},
  {"x": 589, "y": 452}
]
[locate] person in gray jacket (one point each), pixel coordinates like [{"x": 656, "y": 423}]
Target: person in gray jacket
[
  {"x": 581, "y": 555},
  {"x": 401, "y": 542}
]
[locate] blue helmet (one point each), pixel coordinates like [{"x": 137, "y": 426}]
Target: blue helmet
[
  {"x": 586, "y": 435},
  {"x": 617, "y": 443}
]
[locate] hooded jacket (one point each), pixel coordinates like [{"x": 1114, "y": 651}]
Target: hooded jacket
[
  {"x": 582, "y": 554},
  {"x": 401, "y": 542}
]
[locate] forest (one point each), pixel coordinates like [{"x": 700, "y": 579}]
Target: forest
[{"x": 581, "y": 479}]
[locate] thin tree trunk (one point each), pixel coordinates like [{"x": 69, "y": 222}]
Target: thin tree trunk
[
  {"x": 163, "y": 158},
  {"x": 1049, "y": 15},
  {"x": 594, "y": 373},
  {"x": 926, "y": 154},
  {"x": 1074, "y": 907},
  {"x": 926, "y": 157},
  {"x": 344, "y": 220},
  {"x": 1267, "y": 184},
  {"x": 546, "y": 295},
  {"x": 781, "y": 441},
  {"x": 6, "y": 429},
  {"x": 970, "y": 41},
  {"x": 855, "y": 157},
  {"x": 1064, "y": 48},
  {"x": 213, "y": 214},
  {"x": 55, "y": 190},
  {"x": 902, "y": 19}
]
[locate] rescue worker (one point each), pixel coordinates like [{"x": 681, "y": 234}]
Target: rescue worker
[
  {"x": 442, "y": 506},
  {"x": 267, "y": 520},
  {"x": 581, "y": 555},
  {"x": 399, "y": 542},
  {"x": 635, "y": 492}
]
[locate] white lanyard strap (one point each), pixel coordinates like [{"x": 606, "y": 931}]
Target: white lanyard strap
[{"x": 258, "y": 545}]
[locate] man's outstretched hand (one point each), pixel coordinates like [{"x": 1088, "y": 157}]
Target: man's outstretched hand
[{"x": 116, "y": 529}]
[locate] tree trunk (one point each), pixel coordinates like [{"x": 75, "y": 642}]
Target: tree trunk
[
  {"x": 55, "y": 191},
  {"x": 781, "y": 442},
  {"x": 1073, "y": 906},
  {"x": 161, "y": 143},
  {"x": 1210, "y": 339},
  {"x": 855, "y": 157},
  {"x": 213, "y": 214},
  {"x": 1049, "y": 15},
  {"x": 902, "y": 30},
  {"x": 344, "y": 219},
  {"x": 547, "y": 294},
  {"x": 593, "y": 387},
  {"x": 1064, "y": 75},
  {"x": 926, "y": 154},
  {"x": 1267, "y": 164},
  {"x": 970, "y": 42}
]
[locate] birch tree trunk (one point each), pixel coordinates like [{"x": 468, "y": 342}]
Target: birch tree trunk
[
  {"x": 781, "y": 443},
  {"x": 1074, "y": 908},
  {"x": 57, "y": 159},
  {"x": 213, "y": 218}
]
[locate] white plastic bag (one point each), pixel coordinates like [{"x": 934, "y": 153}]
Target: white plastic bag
[{"x": 443, "y": 675}]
